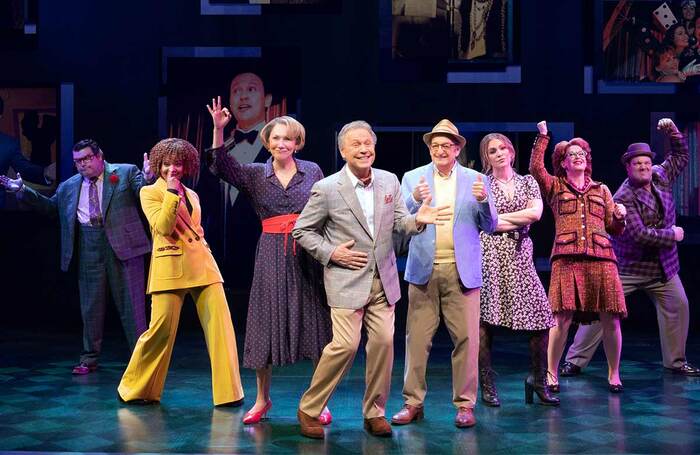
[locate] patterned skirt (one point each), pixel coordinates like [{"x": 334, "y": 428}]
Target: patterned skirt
[{"x": 586, "y": 286}]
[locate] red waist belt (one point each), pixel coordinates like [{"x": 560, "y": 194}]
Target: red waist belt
[{"x": 282, "y": 224}]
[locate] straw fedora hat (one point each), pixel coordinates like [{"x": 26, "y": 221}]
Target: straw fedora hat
[{"x": 446, "y": 128}]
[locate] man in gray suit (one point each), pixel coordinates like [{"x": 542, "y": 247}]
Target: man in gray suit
[
  {"x": 101, "y": 204},
  {"x": 347, "y": 225}
]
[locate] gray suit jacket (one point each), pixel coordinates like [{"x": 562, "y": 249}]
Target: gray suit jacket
[
  {"x": 120, "y": 211},
  {"x": 333, "y": 216}
]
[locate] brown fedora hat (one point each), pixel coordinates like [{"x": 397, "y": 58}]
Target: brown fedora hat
[
  {"x": 637, "y": 149},
  {"x": 445, "y": 128}
]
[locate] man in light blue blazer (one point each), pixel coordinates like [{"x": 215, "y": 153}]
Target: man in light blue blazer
[{"x": 444, "y": 272}]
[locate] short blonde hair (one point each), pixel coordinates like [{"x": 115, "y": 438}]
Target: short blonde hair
[
  {"x": 484, "y": 150},
  {"x": 295, "y": 130}
]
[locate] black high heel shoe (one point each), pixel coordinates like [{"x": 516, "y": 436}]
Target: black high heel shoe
[{"x": 538, "y": 384}]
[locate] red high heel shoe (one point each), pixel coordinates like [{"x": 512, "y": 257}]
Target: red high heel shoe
[
  {"x": 325, "y": 418},
  {"x": 251, "y": 417}
]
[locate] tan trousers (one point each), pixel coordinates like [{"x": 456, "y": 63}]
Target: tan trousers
[
  {"x": 460, "y": 309},
  {"x": 337, "y": 357},
  {"x": 145, "y": 375}
]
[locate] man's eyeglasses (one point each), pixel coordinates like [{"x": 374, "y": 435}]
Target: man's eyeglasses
[
  {"x": 84, "y": 160},
  {"x": 447, "y": 147}
]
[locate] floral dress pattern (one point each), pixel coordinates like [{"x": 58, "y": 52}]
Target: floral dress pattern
[{"x": 512, "y": 295}]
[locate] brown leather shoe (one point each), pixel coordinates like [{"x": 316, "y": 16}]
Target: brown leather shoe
[
  {"x": 465, "y": 418},
  {"x": 407, "y": 414},
  {"x": 310, "y": 426},
  {"x": 378, "y": 426}
]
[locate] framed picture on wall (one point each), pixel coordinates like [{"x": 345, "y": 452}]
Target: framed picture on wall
[
  {"x": 465, "y": 41},
  {"x": 256, "y": 85},
  {"x": 646, "y": 46},
  {"x": 29, "y": 138}
]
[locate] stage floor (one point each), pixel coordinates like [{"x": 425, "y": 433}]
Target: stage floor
[{"x": 45, "y": 409}]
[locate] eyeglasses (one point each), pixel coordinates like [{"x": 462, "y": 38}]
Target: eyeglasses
[
  {"x": 447, "y": 147},
  {"x": 574, "y": 153},
  {"x": 84, "y": 160}
]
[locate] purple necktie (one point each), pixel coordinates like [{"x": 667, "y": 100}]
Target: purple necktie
[{"x": 94, "y": 204}]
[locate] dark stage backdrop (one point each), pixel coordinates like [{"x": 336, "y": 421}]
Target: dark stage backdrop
[{"x": 112, "y": 53}]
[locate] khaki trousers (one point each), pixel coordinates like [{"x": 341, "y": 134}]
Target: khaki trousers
[
  {"x": 145, "y": 375},
  {"x": 460, "y": 309},
  {"x": 337, "y": 357},
  {"x": 672, "y": 314}
]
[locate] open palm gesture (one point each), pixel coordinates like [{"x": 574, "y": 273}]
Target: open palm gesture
[
  {"x": 433, "y": 215},
  {"x": 11, "y": 185}
]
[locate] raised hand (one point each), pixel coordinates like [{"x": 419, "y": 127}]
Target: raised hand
[
  {"x": 345, "y": 257},
  {"x": 220, "y": 116},
  {"x": 433, "y": 215},
  {"x": 542, "y": 127},
  {"x": 620, "y": 211},
  {"x": 147, "y": 171},
  {"x": 422, "y": 190},
  {"x": 667, "y": 126},
  {"x": 479, "y": 189},
  {"x": 11, "y": 185}
]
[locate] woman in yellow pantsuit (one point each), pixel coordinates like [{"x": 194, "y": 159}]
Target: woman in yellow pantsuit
[{"x": 181, "y": 264}]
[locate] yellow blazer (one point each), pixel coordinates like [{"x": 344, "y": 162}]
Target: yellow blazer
[{"x": 181, "y": 257}]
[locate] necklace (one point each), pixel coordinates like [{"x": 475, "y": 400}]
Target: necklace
[{"x": 507, "y": 181}]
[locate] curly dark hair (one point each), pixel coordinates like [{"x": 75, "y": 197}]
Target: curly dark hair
[
  {"x": 175, "y": 150},
  {"x": 559, "y": 156}
]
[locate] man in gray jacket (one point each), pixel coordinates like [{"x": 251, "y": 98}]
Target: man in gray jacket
[{"x": 347, "y": 225}]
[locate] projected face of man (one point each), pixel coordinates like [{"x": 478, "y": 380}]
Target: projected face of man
[{"x": 248, "y": 100}]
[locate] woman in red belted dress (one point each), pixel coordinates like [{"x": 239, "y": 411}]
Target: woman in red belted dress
[
  {"x": 288, "y": 318},
  {"x": 584, "y": 284}
]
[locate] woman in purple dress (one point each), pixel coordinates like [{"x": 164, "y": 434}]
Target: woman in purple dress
[{"x": 288, "y": 318}]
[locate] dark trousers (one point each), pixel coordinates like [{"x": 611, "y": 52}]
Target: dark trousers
[{"x": 99, "y": 267}]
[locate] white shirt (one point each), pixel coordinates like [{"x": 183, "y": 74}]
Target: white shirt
[
  {"x": 245, "y": 153},
  {"x": 365, "y": 196},
  {"x": 84, "y": 199}
]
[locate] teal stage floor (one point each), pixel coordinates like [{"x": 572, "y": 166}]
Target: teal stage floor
[{"x": 45, "y": 409}]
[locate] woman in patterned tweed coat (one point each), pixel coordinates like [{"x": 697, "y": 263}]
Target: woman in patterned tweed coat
[{"x": 584, "y": 283}]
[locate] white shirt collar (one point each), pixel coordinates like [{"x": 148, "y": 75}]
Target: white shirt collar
[{"x": 355, "y": 181}]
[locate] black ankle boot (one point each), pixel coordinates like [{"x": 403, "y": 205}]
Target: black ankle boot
[
  {"x": 489, "y": 394},
  {"x": 538, "y": 384}
]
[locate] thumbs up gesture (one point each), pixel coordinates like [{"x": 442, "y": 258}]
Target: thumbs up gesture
[
  {"x": 479, "y": 189},
  {"x": 422, "y": 191}
]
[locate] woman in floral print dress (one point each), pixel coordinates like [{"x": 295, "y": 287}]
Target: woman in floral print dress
[{"x": 512, "y": 295}]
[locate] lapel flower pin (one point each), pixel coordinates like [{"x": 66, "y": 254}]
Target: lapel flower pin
[{"x": 114, "y": 179}]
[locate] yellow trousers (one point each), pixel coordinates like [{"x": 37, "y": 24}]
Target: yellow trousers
[{"x": 144, "y": 377}]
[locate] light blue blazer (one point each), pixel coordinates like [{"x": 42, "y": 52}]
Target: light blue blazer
[{"x": 470, "y": 217}]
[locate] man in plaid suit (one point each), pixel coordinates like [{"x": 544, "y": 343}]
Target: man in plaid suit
[
  {"x": 647, "y": 253},
  {"x": 99, "y": 214}
]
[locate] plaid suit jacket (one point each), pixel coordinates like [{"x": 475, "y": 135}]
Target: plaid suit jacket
[
  {"x": 120, "y": 211},
  {"x": 648, "y": 245}
]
